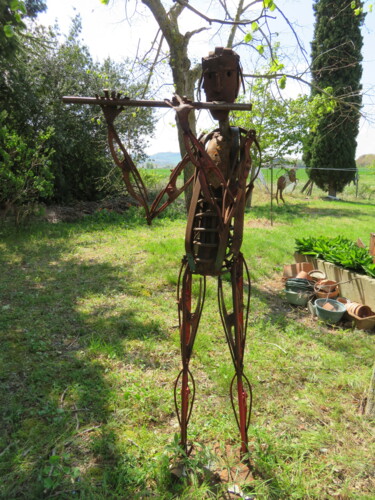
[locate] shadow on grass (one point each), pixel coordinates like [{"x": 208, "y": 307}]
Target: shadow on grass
[
  {"x": 62, "y": 327},
  {"x": 295, "y": 211},
  {"x": 56, "y": 398}
]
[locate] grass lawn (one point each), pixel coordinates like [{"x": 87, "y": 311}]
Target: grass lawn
[{"x": 90, "y": 351}]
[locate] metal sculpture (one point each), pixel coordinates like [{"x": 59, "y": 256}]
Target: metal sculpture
[
  {"x": 215, "y": 222},
  {"x": 283, "y": 181}
]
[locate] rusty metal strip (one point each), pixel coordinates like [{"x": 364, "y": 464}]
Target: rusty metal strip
[
  {"x": 139, "y": 192},
  {"x": 143, "y": 103},
  {"x": 171, "y": 189}
]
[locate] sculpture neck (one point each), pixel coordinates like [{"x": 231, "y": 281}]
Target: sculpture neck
[{"x": 224, "y": 128}]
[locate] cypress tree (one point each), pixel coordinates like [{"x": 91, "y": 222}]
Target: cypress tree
[{"x": 336, "y": 65}]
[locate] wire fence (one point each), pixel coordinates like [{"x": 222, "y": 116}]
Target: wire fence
[{"x": 361, "y": 188}]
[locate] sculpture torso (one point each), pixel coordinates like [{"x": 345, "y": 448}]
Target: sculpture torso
[{"x": 208, "y": 242}]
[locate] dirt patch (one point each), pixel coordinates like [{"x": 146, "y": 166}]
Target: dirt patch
[
  {"x": 262, "y": 222},
  {"x": 226, "y": 473},
  {"x": 273, "y": 288},
  {"x": 64, "y": 213},
  {"x": 77, "y": 211}
]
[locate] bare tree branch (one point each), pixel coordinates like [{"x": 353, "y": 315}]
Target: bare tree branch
[
  {"x": 175, "y": 11},
  {"x": 301, "y": 48},
  {"x": 251, "y": 4},
  {"x": 189, "y": 34},
  {"x": 224, "y": 6},
  {"x": 153, "y": 65},
  {"x": 339, "y": 99},
  {"x": 211, "y": 20},
  {"x": 235, "y": 26}
]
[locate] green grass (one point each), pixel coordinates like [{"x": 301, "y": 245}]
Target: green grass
[{"x": 90, "y": 351}]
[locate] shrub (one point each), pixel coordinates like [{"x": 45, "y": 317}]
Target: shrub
[{"x": 25, "y": 175}]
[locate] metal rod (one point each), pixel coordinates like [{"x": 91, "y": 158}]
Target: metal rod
[
  {"x": 271, "y": 195},
  {"x": 124, "y": 101}
]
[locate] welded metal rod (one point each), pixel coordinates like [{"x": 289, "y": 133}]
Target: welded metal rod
[{"x": 124, "y": 101}]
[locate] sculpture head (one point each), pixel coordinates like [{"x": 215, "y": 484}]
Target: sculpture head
[{"x": 221, "y": 76}]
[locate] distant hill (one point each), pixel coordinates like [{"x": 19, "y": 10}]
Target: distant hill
[
  {"x": 164, "y": 159},
  {"x": 167, "y": 159},
  {"x": 365, "y": 160}
]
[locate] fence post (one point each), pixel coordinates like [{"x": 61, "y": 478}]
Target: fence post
[
  {"x": 372, "y": 246},
  {"x": 271, "y": 194}
]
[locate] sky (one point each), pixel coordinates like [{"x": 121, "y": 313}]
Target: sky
[{"x": 118, "y": 33}]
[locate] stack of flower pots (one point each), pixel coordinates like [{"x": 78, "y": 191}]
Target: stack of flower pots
[
  {"x": 363, "y": 316},
  {"x": 322, "y": 296}
]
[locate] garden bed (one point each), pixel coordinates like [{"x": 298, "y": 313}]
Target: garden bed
[{"x": 356, "y": 287}]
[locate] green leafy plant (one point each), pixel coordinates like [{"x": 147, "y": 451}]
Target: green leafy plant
[
  {"x": 25, "y": 174},
  {"x": 339, "y": 250}
]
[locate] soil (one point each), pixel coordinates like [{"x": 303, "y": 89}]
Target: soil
[
  {"x": 77, "y": 211},
  {"x": 65, "y": 213}
]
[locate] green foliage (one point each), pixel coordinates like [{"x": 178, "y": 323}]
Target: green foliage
[
  {"x": 338, "y": 250},
  {"x": 12, "y": 26},
  {"x": 25, "y": 168},
  {"x": 336, "y": 64},
  {"x": 269, "y": 4},
  {"x": 280, "y": 123},
  {"x": 32, "y": 87},
  {"x": 11, "y": 14}
]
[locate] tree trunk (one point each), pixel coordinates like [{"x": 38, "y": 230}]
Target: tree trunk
[
  {"x": 252, "y": 175},
  {"x": 370, "y": 405},
  {"x": 189, "y": 169},
  {"x": 184, "y": 84},
  {"x": 184, "y": 77},
  {"x": 332, "y": 191},
  {"x": 306, "y": 186}
]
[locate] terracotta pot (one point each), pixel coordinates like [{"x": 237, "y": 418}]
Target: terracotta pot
[
  {"x": 364, "y": 323},
  {"x": 291, "y": 270},
  {"x": 343, "y": 300},
  {"x": 359, "y": 310},
  {"x": 327, "y": 285},
  {"x": 327, "y": 295},
  {"x": 303, "y": 275},
  {"x": 326, "y": 289}
]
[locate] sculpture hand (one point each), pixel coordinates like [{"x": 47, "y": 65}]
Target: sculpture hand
[
  {"x": 182, "y": 106},
  {"x": 110, "y": 112}
]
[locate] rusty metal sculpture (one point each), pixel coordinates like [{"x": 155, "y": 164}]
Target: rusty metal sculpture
[
  {"x": 283, "y": 181},
  {"x": 215, "y": 221}
]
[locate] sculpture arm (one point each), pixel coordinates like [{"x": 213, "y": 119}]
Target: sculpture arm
[
  {"x": 130, "y": 173},
  {"x": 195, "y": 149}
]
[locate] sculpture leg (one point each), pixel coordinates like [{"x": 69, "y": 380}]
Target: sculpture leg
[
  {"x": 235, "y": 326},
  {"x": 281, "y": 196},
  {"x": 188, "y": 322}
]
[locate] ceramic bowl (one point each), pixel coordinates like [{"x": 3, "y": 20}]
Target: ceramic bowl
[
  {"x": 329, "y": 310},
  {"x": 317, "y": 274},
  {"x": 297, "y": 298}
]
